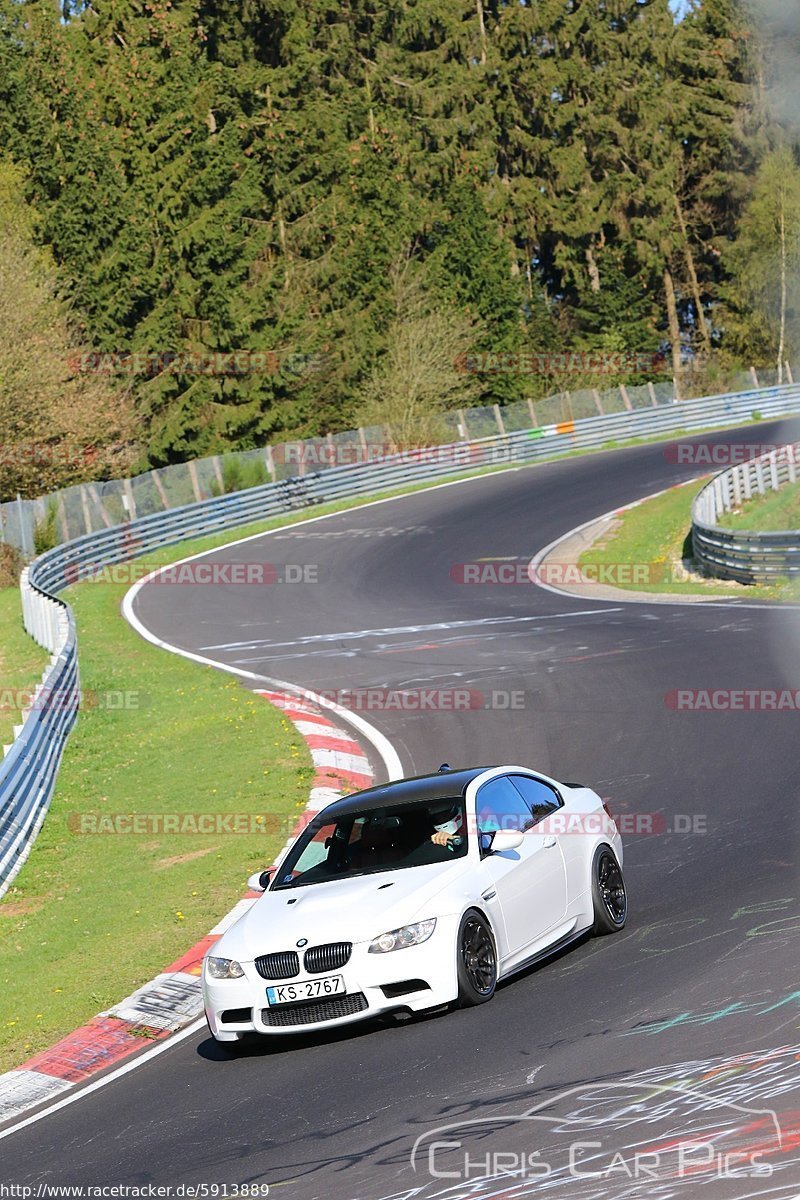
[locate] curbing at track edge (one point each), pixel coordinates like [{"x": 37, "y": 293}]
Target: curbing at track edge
[{"x": 173, "y": 999}]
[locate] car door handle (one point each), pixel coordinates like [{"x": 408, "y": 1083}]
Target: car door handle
[
  {"x": 490, "y": 895},
  {"x": 548, "y": 842}
]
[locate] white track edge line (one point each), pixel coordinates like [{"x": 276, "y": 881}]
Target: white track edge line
[{"x": 117, "y": 1073}]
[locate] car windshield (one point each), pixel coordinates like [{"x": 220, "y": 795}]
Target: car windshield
[{"x": 376, "y": 840}]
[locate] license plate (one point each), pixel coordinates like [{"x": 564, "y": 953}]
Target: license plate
[{"x": 309, "y": 989}]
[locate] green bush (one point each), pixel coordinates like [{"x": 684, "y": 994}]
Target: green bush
[
  {"x": 238, "y": 475},
  {"x": 11, "y": 564},
  {"x": 44, "y": 531}
]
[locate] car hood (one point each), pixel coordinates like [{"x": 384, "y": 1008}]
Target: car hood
[{"x": 344, "y": 910}]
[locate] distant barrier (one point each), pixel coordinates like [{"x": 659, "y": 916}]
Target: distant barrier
[
  {"x": 743, "y": 554},
  {"x": 94, "y": 506}
]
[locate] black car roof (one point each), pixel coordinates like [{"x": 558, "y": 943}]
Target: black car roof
[{"x": 442, "y": 785}]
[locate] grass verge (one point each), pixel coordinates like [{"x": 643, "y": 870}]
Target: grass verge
[
  {"x": 652, "y": 543},
  {"x": 773, "y": 511}
]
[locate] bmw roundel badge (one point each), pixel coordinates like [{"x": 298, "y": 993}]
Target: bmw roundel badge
[{"x": 303, "y": 942}]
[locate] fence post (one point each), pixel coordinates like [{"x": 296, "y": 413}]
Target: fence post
[
  {"x": 103, "y": 514},
  {"x": 498, "y": 416},
  {"x": 760, "y": 476},
  {"x": 87, "y": 518},
  {"x": 126, "y": 484},
  {"x": 218, "y": 473},
  {"x": 62, "y": 519},
  {"x": 597, "y": 402},
  {"x": 159, "y": 486},
  {"x": 463, "y": 428},
  {"x": 754, "y": 377},
  {"x": 726, "y": 493},
  {"x": 652, "y": 392},
  {"x": 789, "y": 375},
  {"x": 27, "y": 543},
  {"x": 195, "y": 481},
  {"x": 532, "y": 411},
  {"x": 625, "y": 397},
  {"x": 773, "y": 470},
  {"x": 270, "y": 463}
]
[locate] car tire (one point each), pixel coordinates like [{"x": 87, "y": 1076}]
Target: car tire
[
  {"x": 476, "y": 957},
  {"x": 609, "y": 897}
]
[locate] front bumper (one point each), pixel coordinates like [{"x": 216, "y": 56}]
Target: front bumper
[{"x": 412, "y": 979}]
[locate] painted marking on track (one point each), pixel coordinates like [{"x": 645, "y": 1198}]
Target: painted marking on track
[
  {"x": 600, "y": 654},
  {"x": 355, "y": 634}
]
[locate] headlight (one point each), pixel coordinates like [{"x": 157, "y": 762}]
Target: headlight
[
  {"x": 398, "y": 939},
  {"x": 224, "y": 968}
]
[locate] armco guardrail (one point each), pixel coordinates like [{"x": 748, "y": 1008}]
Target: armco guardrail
[
  {"x": 27, "y": 774},
  {"x": 746, "y": 555},
  {"x": 93, "y": 505},
  {"x": 28, "y": 771}
]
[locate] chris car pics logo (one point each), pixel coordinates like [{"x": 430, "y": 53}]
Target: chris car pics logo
[{"x": 609, "y": 1133}]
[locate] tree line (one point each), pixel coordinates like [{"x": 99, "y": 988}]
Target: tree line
[{"x": 357, "y": 196}]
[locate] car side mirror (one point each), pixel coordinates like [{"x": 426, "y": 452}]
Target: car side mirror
[
  {"x": 500, "y": 840},
  {"x": 259, "y": 882}
]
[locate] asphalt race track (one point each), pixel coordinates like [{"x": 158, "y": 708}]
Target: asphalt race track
[{"x": 684, "y": 1026}]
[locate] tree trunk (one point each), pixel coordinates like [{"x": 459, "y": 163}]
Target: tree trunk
[
  {"x": 698, "y": 304},
  {"x": 674, "y": 331},
  {"x": 482, "y": 27},
  {"x": 594, "y": 274},
  {"x": 782, "y": 341}
]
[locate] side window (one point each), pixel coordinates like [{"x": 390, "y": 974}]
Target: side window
[
  {"x": 539, "y": 797},
  {"x": 500, "y": 806}
]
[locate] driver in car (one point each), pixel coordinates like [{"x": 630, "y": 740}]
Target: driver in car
[{"x": 447, "y": 825}]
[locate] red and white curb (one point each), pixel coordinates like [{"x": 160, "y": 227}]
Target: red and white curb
[{"x": 173, "y": 999}]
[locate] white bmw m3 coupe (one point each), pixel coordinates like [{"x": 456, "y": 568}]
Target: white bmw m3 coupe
[{"x": 417, "y": 894}]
